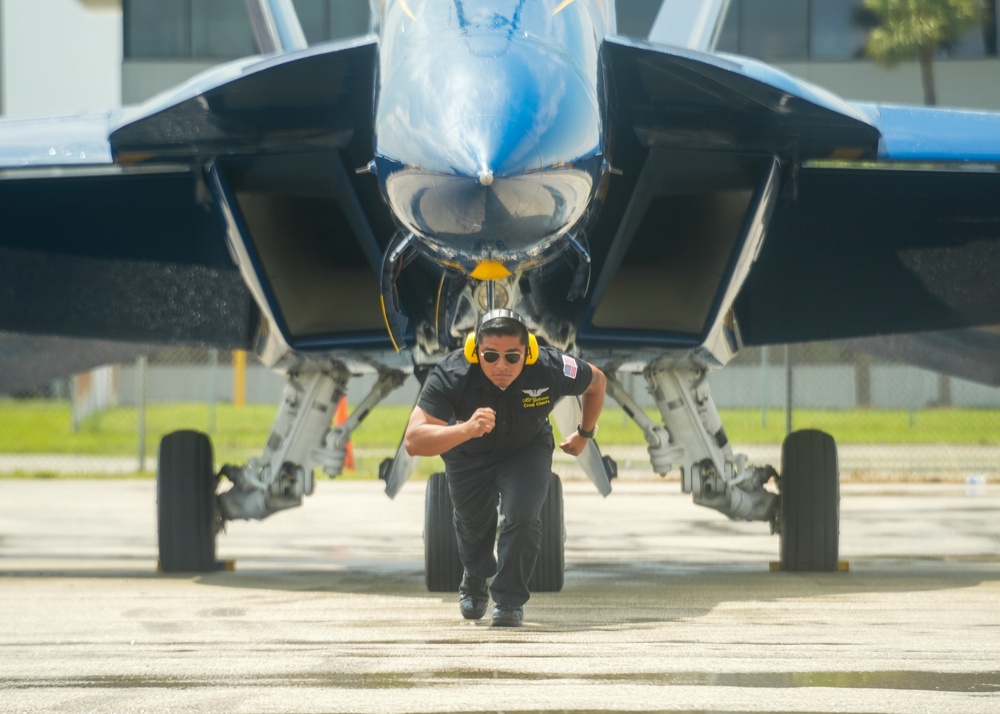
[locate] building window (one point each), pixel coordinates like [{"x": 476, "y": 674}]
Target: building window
[
  {"x": 154, "y": 28},
  {"x": 636, "y": 17},
  {"x": 836, "y": 30},
  {"x": 771, "y": 30},
  {"x": 346, "y": 18},
  {"x": 971, "y": 44},
  {"x": 314, "y": 16},
  {"x": 776, "y": 30},
  {"x": 220, "y": 29},
  {"x": 823, "y": 30}
]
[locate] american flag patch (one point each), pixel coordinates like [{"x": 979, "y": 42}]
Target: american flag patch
[{"x": 569, "y": 366}]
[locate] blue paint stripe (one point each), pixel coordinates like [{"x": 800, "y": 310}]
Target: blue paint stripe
[{"x": 935, "y": 134}]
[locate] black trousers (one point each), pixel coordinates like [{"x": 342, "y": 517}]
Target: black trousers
[{"x": 520, "y": 482}]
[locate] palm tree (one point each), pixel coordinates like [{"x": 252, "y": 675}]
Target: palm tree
[{"x": 910, "y": 29}]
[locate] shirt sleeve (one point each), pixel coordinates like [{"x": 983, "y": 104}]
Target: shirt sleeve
[
  {"x": 435, "y": 397},
  {"x": 572, "y": 375}
]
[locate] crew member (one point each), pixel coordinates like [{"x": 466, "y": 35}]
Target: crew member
[{"x": 485, "y": 411}]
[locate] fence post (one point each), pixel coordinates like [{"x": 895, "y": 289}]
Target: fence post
[
  {"x": 74, "y": 402},
  {"x": 944, "y": 390},
  {"x": 764, "y": 391},
  {"x": 789, "y": 402},
  {"x": 213, "y": 355},
  {"x": 239, "y": 378},
  {"x": 911, "y": 398},
  {"x": 140, "y": 407}
]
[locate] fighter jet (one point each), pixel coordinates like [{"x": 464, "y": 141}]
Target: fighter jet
[{"x": 358, "y": 205}]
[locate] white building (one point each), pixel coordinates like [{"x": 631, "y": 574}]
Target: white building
[{"x": 59, "y": 56}]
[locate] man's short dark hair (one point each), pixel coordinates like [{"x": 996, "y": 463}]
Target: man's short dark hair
[{"x": 504, "y": 327}]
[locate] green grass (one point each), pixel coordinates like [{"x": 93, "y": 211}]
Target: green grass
[
  {"x": 43, "y": 475},
  {"x": 45, "y": 427},
  {"x": 870, "y": 426}
]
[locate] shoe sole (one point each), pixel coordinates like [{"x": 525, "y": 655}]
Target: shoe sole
[
  {"x": 473, "y": 614},
  {"x": 506, "y": 622}
]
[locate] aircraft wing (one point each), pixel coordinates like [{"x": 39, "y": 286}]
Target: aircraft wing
[
  {"x": 108, "y": 225},
  {"x": 877, "y": 219},
  {"x": 748, "y": 202},
  {"x": 907, "y": 243},
  {"x": 967, "y": 354}
]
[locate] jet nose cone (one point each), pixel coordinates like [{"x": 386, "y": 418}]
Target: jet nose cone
[
  {"x": 488, "y": 195},
  {"x": 488, "y": 158},
  {"x": 487, "y": 147},
  {"x": 488, "y": 184}
]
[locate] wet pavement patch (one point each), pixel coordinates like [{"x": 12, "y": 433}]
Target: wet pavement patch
[{"x": 964, "y": 682}]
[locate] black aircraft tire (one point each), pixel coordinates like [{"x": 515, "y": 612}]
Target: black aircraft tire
[
  {"x": 810, "y": 502},
  {"x": 442, "y": 566},
  {"x": 185, "y": 503},
  {"x": 551, "y": 566}
]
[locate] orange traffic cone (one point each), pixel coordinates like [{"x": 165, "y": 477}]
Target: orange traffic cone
[{"x": 339, "y": 418}]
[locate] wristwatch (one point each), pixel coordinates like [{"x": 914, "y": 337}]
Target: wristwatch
[{"x": 587, "y": 434}]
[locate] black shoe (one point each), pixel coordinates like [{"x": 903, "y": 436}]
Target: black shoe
[
  {"x": 473, "y": 597},
  {"x": 507, "y": 616}
]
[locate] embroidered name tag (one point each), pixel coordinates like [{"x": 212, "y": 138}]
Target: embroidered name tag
[{"x": 532, "y": 402}]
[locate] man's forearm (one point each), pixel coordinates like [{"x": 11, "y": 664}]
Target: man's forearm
[
  {"x": 592, "y": 400},
  {"x": 592, "y": 403},
  {"x": 434, "y": 439}
]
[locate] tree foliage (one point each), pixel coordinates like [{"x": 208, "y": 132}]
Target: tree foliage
[
  {"x": 915, "y": 29},
  {"x": 908, "y": 27}
]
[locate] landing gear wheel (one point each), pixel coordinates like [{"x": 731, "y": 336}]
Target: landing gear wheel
[
  {"x": 442, "y": 566},
  {"x": 810, "y": 502},
  {"x": 551, "y": 565},
  {"x": 185, "y": 503}
]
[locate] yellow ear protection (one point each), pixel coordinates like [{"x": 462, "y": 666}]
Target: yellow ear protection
[{"x": 472, "y": 341}]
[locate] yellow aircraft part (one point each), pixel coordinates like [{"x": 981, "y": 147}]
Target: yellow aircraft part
[{"x": 490, "y": 270}]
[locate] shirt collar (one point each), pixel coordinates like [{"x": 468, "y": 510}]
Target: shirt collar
[{"x": 491, "y": 388}]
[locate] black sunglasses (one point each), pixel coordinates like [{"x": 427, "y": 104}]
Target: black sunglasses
[{"x": 512, "y": 357}]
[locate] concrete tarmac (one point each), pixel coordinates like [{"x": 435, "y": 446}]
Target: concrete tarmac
[{"x": 666, "y": 607}]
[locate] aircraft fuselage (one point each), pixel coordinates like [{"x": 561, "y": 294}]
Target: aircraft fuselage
[{"x": 489, "y": 124}]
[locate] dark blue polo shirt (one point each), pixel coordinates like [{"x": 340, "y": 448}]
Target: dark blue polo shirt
[{"x": 456, "y": 388}]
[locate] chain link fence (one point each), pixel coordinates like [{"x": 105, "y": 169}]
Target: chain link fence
[{"x": 890, "y": 419}]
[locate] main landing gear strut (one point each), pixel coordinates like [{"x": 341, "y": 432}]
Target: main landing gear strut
[{"x": 803, "y": 506}]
